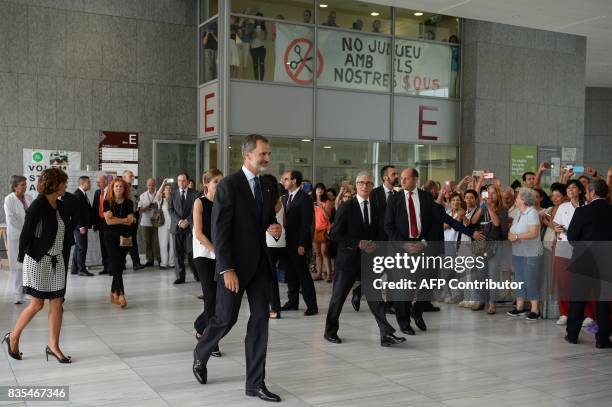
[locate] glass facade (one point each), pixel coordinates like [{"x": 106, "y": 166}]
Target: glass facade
[{"x": 394, "y": 54}]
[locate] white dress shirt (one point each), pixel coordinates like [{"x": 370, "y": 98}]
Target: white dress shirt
[
  {"x": 251, "y": 178},
  {"x": 417, "y": 208},
  {"x": 388, "y": 192},
  {"x": 361, "y": 201}
]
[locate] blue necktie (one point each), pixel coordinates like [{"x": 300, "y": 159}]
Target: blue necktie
[{"x": 258, "y": 197}]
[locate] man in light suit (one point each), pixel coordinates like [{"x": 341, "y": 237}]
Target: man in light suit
[
  {"x": 242, "y": 213},
  {"x": 181, "y": 213}
]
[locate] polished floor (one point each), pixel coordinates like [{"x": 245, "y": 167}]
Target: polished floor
[{"x": 142, "y": 356}]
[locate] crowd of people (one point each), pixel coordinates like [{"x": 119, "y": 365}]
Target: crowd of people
[{"x": 251, "y": 232}]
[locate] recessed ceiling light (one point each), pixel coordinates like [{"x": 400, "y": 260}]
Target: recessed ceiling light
[
  {"x": 305, "y": 139},
  {"x": 418, "y": 14},
  {"x": 323, "y": 5},
  {"x": 327, "y": 147},
  {"x": 212, "y": 142},
  {"x": 420, "y": 145},
  {"x": 374, "y": 13},
  {"x": 229, "y": 146}
]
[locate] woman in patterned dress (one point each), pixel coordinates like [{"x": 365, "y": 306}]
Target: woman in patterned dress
[{"x": 41, "y": 249}]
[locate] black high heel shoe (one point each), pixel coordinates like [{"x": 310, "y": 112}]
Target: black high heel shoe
[
  {"x": 65, "y": 359},
  {"x": 7, "y": 339}
]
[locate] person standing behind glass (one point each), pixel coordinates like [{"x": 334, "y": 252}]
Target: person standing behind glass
[
  {"x": 245, "y": 34},
  {"x": 166, "y": 239},
  {"x": 527, "y": 252},
  {"x": 15, "y": 205},
  {"x": 210, "y": 45},
  {"x": 258, "y": 49},
  {"x": 42, "y": 249},
  {"x": 204, "y": 251},
  {"x": 119, "y": 217}
]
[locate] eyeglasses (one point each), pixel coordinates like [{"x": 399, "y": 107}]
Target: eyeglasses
[{"x": 364, "y": 183}]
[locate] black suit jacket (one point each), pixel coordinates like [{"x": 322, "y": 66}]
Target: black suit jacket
[
  {"x": 378, "y": 200},
  {"x": 591, "y": 223},
  {"x": 71, "y": 208},
  {"x": 85, "y": 213},
  {"x": 348, "y": 229},
  {"x": 96, "y": 221},
  {"x": 238, "y": 233},
  {"x": 298, "y": 221},
  {"x": 177, "y": 213},
  {"x": 397, "y": 226}
]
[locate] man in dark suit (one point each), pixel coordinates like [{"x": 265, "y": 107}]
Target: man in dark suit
[
  {"x": 299, "y": 214},
  {"x": 80, "y": 231},
  {"x": 355, "y": 229},
  {"x": 590, "y": 234},
  {"x": 181, "y": 213},
  {"x": 98, "y": 218},
  {"x": 71, "y": 207},
  {"x": 242, "y": 212}
]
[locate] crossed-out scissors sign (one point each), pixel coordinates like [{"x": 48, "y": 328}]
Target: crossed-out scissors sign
[{"x": 299, "y": 63}]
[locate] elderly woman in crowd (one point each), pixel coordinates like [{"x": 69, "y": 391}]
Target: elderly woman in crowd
[
  {"x": 527, "y": 252},
  {"x": 42, "y": 249},
  {"x": 15, "y": 205}
]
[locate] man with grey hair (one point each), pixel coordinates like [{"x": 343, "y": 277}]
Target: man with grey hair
[
  {"x": 128, "y": 176},
  {"x": 147, "y": 205},
  {"x": 242, "y": 213},
  {"x": 356, "y": 229}
]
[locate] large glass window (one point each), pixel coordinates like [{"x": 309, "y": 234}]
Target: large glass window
[
  {"x": 428, "y": 26},
  {"x": 209, "y": 157},
  {"x": 292, "y": 10},
  {"x": 356, "y": 15},
  {"x": 287, "y": 154},
  {"x": 338, "y": 161},
  {"x": 208, "y": 8},
  {"x": 170, "y": 157},
  {"x": 271, "y": 51},
  {"x": 209, "y": 46},
  {"x": 437, "y": 162},
  {"x": 354, "y": 60}
]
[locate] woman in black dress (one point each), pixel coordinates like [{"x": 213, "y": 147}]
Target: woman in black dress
[
  {"x": 42, "y": 250},
  {"x": 204, "y": 251},
  {"x": 119, "y": 216}
]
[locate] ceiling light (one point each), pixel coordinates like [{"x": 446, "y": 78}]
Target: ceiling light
[
  {"x": 374, "y": 13},
  {"x": 305, "y": 139},
  {"x": 323, "y": 5},
  {"x": 212, "y": 142},
  {"x": 418, "y": 14},
  {"x": 420, "y": 145},
  {"x": 327, "y": 147}
]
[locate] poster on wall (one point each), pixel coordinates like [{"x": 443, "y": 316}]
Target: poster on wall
[
  {"x": 359, "y": 61},
  {"x": 522, "y": 159},
  {"x": 118, "y": 151},
  {"x": 36, "y": 160}
]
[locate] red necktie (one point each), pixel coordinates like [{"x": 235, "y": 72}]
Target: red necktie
[{"x": 414, "y": 229}]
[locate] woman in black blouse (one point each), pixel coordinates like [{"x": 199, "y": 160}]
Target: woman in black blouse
[
  {"x": 203, "y": 249},
  {"x": 119, "y": 216},
  {"x": 42, "y": 249}
]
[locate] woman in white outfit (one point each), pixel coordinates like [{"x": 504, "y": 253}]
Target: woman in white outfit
[
  {"x": 15, "y": 205},
  {"x": 166, "y": 240}
]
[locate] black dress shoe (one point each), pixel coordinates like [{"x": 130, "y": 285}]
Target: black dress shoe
[
  {"x": 570, "y": 340},
  {"x": 163, "y": 267},
  {"x": 333, "y": 338},
  {"x": 179, "y": 281},
  {"x": 603, "y": 344},
  {"x": 289, "y": 307},
  {"x": 264, "y": 394},
  {"x": 311, "y": 311},
  {"x": 356, "y": 301},
  {"x": 149, "y": 264},
  {"x": 420, "y": 323},
  {"x": 408, "y": 331},
  {"x": 429, "y": 307},
  {"x": 137, "y": 267},
  {"x": 74, "y": 272},
  {"x": 391, "y": 339},
  {"x": 85, "y": 273},
  {"x": 199, "y": 370},
  {"x": 103, "y": 272}
]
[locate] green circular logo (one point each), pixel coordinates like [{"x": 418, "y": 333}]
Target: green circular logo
[{"x": 37, "y": 156}]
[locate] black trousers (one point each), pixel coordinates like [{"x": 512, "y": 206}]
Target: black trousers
[
  {"x": 134, "y": 253},
  {"x": 80, "y": 251},
  {"x": 299, "y": 276},
  {"x": 343, "y": 282},
  {"x": 101, "y": 231},
  {"x": 206, "y": 271},
  {"x": 182, "y": 245},
  {"x": 259, "y": 62},
  {"x": 116, "y": 260},
  {"x": 576, "y": 317},
  {"x": 276, "y": 254},
  {"x": 226, "y": 315}
]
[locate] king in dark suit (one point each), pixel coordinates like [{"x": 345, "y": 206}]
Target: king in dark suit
[
  {"x": 590, "y": 234},
  {"x": 242, "y": 212},
  {"x": 355, "y": 229},
  {"x": 181, "y": 225}
]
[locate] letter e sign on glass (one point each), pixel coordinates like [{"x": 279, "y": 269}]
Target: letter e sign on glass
[{"x": 208, "y": 116}]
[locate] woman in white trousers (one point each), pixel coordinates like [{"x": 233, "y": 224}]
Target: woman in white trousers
[
  {"x": 15, "y": 206},
  {"x": 166, "y": 240}
]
